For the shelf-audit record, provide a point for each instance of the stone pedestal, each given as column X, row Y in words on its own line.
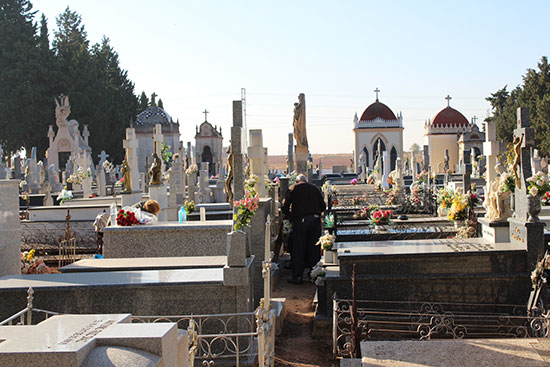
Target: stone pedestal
column 301, row 159
column 160, row 194
column 495, row 232
column 130, row 198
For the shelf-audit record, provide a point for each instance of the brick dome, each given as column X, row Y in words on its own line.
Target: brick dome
column 449, row 117
column 378, row 109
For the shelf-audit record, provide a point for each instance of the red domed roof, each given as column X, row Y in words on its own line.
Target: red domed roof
column 377, row 109
column 449, row 116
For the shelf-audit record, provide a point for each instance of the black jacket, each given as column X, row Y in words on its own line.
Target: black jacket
column 303, row 199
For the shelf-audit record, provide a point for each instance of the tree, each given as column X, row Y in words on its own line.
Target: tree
column 160, row 104
column 19, row 73
column 534, row 94
column 415, row 148
column 143, row 102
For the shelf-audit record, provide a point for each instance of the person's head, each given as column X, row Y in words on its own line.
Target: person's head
column 151, row 206
column 301, row 178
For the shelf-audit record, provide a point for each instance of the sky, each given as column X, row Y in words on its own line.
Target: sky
column 198, row 55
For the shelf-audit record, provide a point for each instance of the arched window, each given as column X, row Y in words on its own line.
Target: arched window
column 393, row 158
column 477, row 152
column 375, row 149
column 366, row 151
column 206, row 156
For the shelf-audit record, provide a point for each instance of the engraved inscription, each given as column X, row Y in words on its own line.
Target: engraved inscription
column 87, row 333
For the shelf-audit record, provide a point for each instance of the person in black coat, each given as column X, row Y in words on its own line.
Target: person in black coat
column 303, row 205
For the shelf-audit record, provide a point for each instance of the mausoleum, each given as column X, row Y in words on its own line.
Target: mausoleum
column 209, row 146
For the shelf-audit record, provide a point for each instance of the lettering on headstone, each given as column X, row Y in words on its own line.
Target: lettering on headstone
column 87, row 333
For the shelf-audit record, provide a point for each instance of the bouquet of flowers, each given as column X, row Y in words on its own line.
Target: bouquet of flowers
column 381, row 217
column 459, row 206
column 546, row 198
column 78, row 176
column 245, row 210
column 31, row 264
column 508, row 183
column 317, row 274
column 64, row 195
column 192, row 169
column 445, row 197
column 250, row 185
column 353, row 181
column 326, row 241
column 189, row 206
column 538, row 184
column 166, row 154
column 126, row 218
column 366, row 212
column 108, row 166
column 327, row 188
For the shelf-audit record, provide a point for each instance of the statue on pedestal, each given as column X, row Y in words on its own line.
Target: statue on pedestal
column 299, row 121
column 498, row 202
column 125, row 169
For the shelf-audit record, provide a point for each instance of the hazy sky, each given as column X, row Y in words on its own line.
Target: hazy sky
column 199, row 54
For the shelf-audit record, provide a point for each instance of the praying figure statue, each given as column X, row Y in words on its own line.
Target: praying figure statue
column 154, row 172
column 497, row 202
column 125, row 169
column 299, row 121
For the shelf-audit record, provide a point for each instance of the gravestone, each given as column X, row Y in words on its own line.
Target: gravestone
column 176, row 182
column 188, row 155
column 256, row 159
column 467, row 172
column 10, row 232
column 92, row 341
column 525, row 229
column 84, row 165
column 3, row 171
column 17, row 167
column 386, row 161
column 102, row 157
column 160, row 194
column 536, row 162
column 192, row 186
column 204, row 189
column 101, row 182
column 53, row 178
column 426, row 152
column 47, row 191
column 131, row 145
column 290, row 156
column 237, row 151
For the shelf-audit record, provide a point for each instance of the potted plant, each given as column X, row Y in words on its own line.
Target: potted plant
column 327, row 242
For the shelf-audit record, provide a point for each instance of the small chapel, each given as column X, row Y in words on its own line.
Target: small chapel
column 144, row 126
column 448, row 136
column 209, row 145
column 378, row 130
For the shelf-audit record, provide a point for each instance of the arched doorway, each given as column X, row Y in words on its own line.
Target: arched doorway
column 393, row 158
column 375, row 153
column 366, row 151
column 206, row 156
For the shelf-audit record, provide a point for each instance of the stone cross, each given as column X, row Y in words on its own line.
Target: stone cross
column 101, row 180
column 131, row 145
column 256, row 157
column 290, row 152
column 525, row 228
column 448, row 98
column 205, row 114
column 377, row 91
column 491, row 150
column 102, row 157
column 237, row 152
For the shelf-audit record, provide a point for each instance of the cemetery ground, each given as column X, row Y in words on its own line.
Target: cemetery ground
column 296, row 347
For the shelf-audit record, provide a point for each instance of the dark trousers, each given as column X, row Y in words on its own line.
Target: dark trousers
column 304, row 236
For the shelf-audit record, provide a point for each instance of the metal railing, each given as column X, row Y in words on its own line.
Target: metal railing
column 25, row 315
column 383, row 320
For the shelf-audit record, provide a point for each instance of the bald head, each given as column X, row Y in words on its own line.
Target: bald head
column 301, row 178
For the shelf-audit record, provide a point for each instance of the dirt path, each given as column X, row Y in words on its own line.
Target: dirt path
column 295, row 347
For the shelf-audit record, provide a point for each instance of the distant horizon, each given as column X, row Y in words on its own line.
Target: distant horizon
column 415, row 53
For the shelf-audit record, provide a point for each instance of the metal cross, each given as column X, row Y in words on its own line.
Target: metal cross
column 474, row 119
column 448, row 98
column 205, row 114
column 377, row 91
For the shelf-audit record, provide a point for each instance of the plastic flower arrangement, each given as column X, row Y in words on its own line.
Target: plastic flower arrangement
column 166, row 154
column 287, row 227
column 191, row 169
column 245, row 210
column 422, row 177
column 329, row 220
column 380, row 217
column 108, row 166
column 353, row 181
column 366, row 212
column 78, row 176
column 326, row 241
column 538, row 184
column 445, row 197
column 250, row 185
column 126, row 218
column 189, row 206
column 459, row 206
column 317, row 274
column 64, row 195
column 31, row 264
column 508, row 183
column 546, row 198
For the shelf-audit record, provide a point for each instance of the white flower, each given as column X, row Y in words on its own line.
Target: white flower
column 533, row 191
column 320, row 281
column 541, row 174
column 540, row 182
column 531, row 179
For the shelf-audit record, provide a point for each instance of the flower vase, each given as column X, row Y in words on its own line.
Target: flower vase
column 331, row 256
column 533, row 208
column 378, row 228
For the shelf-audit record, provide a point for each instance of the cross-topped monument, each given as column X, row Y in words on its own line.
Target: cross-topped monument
column 102, row 157
column 377, row 91
column 448, row 98
column 205, row 114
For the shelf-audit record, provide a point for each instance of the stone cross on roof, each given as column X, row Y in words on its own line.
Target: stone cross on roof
column 205, row 114
column 448, row 98
column 377, row 91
